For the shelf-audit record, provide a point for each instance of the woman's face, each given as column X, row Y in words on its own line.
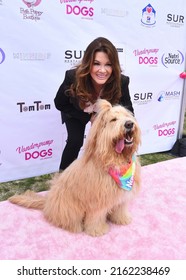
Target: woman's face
column 101, row 69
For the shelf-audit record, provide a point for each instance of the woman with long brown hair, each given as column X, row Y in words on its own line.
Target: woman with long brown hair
column 97, row 76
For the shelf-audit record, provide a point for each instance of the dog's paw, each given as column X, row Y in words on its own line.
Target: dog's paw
column 97, row 231
column 121, row 220
column 126, row 220
column 75, row 229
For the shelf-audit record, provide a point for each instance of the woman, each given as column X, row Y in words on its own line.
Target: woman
column 97, row 76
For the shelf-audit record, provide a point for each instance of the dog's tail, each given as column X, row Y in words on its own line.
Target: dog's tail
column 29, row 199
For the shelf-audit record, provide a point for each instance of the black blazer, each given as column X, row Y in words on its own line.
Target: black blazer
column 69, row 106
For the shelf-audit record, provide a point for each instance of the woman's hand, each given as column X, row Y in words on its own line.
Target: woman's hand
column 89, row 108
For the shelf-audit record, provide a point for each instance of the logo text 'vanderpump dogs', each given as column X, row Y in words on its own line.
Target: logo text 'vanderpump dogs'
column 33, row 150
column 147, row 56
column 81, row 8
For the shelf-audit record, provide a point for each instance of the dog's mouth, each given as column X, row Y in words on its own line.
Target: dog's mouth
column 126, row 141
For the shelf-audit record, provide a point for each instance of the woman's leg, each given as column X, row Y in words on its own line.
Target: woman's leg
column 75, row 138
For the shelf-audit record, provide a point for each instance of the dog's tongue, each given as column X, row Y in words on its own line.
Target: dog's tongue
column 120, row 146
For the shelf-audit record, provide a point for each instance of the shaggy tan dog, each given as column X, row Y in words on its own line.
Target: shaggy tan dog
column 97, row 187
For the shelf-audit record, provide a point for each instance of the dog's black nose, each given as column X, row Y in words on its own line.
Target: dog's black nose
column 129, row 125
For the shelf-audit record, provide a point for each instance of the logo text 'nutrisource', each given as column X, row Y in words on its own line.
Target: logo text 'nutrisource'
column 172, row 58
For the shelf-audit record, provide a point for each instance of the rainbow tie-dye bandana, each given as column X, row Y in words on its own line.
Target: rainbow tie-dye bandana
column 124, row 177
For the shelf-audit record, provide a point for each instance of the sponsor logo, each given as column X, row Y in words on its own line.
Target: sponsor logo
column 36, row 106
column 148, row 16
column 147, row 56
column 73, row 57
column 41, row 150
column 30, row 13
column 175, row 20
column 76, row 10
column 172, row 58
column 31, row 3
column 114, row 12
column 32, row 56
column 142, row 98
column 121, row 54
column 2, row 56
column 82, row 8
column 165, row 129
column 168, row 95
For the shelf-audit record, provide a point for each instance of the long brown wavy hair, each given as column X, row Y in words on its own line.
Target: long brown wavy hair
column 83, row 89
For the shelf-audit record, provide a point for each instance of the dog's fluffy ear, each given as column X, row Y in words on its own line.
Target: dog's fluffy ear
column 102, row 108
column 102, row 105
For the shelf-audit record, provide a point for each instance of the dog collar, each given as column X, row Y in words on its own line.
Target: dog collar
column 124, row 177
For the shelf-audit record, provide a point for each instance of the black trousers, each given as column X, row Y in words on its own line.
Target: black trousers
column 75, row 138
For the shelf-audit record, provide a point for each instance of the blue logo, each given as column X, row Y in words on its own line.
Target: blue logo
column 161, row 96
column 148, row 16
column 172, row 58
column 2, row 56
column 168, row 95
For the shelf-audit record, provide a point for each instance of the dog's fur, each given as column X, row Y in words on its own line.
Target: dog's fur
column 84, row 196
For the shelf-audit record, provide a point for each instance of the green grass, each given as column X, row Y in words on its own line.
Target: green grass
column 37, row 184
column 156, row 157
column 40, row 183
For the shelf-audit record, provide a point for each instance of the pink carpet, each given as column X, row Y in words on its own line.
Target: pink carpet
column 158, row 230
